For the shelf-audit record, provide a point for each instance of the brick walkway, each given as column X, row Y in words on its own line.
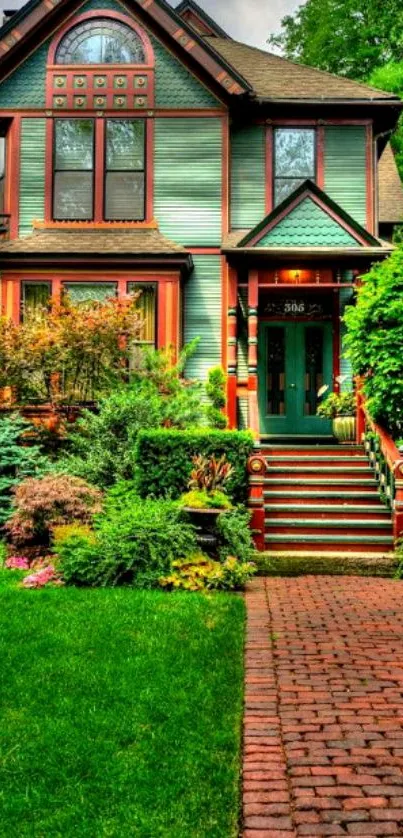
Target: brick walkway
column 324, row 708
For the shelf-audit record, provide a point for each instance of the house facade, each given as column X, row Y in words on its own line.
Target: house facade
column 142, row 149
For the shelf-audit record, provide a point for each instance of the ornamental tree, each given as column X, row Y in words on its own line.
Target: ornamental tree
column 69, row 353
column 375, row 341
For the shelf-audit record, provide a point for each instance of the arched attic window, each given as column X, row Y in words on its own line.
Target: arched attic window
column 101, row 41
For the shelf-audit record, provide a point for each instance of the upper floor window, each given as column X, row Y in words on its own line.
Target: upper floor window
column 99, row 170
column 101, row 41
column 294, row 160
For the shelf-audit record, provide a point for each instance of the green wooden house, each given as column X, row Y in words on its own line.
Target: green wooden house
column 144, row 149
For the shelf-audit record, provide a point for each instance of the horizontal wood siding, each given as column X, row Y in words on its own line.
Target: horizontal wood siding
column 345, row 168
column 187, row 180
column 248, row 191
column 203, row 315
column 32, row 173
column 346, row 372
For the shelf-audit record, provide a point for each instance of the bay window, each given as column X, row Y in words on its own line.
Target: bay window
column 146, row 304
column 35, row 298
column 99, row 169
column 294, row 160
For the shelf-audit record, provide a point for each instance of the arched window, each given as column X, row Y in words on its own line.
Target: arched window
column 101, row 41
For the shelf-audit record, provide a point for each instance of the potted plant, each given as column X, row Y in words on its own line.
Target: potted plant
column 341, row 408
column 207, row 498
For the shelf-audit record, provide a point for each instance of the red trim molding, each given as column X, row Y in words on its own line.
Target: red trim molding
column 269, row 151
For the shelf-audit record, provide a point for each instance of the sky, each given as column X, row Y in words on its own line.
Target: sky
column 250, row 21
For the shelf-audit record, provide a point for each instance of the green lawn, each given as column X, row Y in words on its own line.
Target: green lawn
column 120, row 713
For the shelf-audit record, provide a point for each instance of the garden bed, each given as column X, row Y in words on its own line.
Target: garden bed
column 121, row 712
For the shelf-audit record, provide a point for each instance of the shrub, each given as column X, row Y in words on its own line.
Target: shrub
column 16, row 460
column 210, row 474
column 102, row 445
column 215, row 389
column 235, row 536
column 133, row 544
column 43, row 503
column 198, row 573
column 337, row 404
column 200, row 499
column 164, row 460
column 375, row 340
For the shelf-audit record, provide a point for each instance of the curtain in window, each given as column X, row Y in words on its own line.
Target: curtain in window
column 35, row 298
column 73, row 169
column 146, row 306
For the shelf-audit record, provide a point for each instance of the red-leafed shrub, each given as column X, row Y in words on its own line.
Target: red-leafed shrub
column 41, row 504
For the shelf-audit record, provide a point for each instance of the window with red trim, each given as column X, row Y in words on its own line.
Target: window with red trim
column 99, row 169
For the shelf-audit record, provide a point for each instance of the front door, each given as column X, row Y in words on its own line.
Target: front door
column 295, row 362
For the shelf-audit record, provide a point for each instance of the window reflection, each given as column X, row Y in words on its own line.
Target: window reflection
column 294, row 160
column 101, row 41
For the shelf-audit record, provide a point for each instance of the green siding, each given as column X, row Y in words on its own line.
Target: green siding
column 25, row 88
column 32, row 173
column 243, row 414
column 203, row 315
column 187, row 179
column 346, row 373
column 175, row 86
column 248, row 200
column 242, row 346
column 345, row 169
column 307, row 226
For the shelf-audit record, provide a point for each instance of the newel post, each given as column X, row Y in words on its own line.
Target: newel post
column 398, row 502
column 253, row 301
column 257, row 472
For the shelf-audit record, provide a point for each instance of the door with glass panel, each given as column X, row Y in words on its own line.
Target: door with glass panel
column 295, row 362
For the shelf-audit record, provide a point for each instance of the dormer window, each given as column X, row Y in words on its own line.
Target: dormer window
column 100, row 41
column 294, row 160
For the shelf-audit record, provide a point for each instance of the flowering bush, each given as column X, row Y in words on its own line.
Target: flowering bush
column 43, row 576
column 17, row 563
column 41, row 504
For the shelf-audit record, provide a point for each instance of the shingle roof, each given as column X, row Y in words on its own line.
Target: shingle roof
column 390, row 189
column 273, row 77
column 103, row 242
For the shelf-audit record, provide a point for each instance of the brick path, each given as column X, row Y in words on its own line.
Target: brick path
column 323, row 738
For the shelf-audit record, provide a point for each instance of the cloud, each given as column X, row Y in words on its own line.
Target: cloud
column 251, row 22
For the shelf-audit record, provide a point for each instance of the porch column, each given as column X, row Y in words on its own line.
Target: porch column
column 232, row 348
column 253, row 300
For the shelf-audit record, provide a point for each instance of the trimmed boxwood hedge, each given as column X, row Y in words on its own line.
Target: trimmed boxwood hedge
column 163, row 460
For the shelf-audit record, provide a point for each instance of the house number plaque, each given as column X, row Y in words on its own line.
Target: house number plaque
column 295, row 307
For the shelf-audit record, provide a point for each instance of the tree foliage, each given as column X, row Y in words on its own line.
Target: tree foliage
column 348, row 37
column 375, row 340
column 390, row 77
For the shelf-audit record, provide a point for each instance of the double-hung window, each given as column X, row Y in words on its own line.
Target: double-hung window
column 99, row 170
column 294, row 160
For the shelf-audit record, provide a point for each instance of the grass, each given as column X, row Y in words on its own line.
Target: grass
column 121, row 713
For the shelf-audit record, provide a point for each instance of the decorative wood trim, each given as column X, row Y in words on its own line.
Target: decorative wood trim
column 231, row 331
column 269, row 164
column 99, row 175
column 149, row 172
column 336, row 341
column 224, row 311
column 38, row 224
column 105, row 13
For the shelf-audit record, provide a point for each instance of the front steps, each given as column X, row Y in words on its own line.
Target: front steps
column 323, row 500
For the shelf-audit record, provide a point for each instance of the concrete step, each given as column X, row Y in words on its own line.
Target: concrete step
column 326, row 512
column 320, row 542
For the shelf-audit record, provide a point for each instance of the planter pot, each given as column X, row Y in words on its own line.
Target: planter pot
column 205, row 522
column 344, row 429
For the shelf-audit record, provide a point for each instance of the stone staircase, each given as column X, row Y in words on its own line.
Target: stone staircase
column 323, row 499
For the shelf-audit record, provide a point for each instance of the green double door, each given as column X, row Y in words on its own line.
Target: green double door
column 295, row 362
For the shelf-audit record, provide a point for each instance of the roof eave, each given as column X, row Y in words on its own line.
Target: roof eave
column 284, row 253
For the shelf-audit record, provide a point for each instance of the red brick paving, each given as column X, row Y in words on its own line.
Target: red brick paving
column 323, row 728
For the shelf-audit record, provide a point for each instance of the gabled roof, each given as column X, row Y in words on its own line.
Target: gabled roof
column 390, row 189
column 27, row 26
column 198, row 19
column 308, row 218
column 273, row 77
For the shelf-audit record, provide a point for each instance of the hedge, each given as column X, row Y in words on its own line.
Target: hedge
column 163, row 460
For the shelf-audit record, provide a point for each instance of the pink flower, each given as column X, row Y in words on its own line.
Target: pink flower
column 41, row 578
column 17, row 563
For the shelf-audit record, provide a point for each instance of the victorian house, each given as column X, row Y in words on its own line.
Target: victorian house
column 243, row 195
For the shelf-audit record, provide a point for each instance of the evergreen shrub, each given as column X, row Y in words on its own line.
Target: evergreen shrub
column 164, row 460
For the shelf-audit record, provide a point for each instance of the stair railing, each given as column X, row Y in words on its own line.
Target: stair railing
column 387, row 463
